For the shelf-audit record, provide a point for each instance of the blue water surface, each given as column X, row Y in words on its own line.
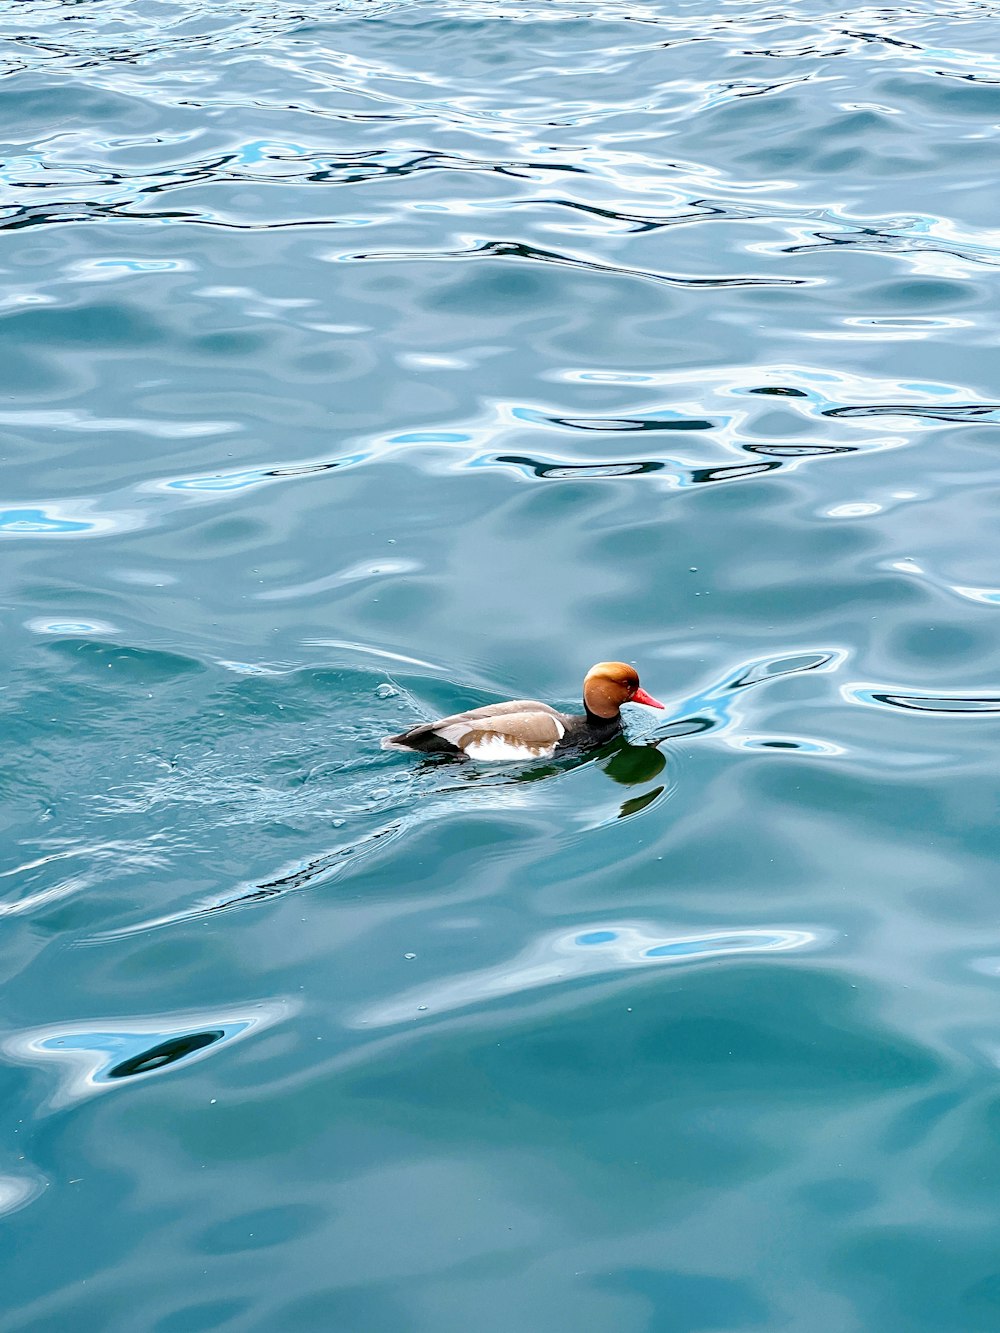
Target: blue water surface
column 367, row 359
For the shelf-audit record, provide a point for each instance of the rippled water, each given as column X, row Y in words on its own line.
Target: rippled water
column 360, row 360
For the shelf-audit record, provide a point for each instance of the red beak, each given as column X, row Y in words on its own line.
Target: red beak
column 641, row 697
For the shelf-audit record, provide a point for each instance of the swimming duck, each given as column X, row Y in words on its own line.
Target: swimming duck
column 524, row 729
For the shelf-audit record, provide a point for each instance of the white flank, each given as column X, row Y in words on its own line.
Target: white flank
column 498, row 748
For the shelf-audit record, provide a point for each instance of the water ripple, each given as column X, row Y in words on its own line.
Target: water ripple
column 521, row 252
column 471, row 343
column 943, row 704
column 564, row 957
column 97, row 1055
column 717, row 707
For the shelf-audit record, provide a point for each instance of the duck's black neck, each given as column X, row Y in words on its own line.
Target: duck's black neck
column 589, row 729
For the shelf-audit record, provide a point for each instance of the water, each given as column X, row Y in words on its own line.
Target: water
column 364, row 360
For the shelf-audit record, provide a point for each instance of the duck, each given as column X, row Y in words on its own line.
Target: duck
column 524, row 729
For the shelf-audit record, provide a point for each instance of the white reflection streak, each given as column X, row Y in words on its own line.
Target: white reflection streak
column 582, row 952
column 985, row 596
column 66, row 419
column 17, row 1191
column 366, row 569
column 969, row 592
column 41, row 897
column 365, row 650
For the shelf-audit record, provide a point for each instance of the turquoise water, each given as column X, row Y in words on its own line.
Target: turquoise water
column 363, row 360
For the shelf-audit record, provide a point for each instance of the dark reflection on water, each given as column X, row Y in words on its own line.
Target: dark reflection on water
column 629, row 764
column 636, row 804
column 798, row 450
column 518, row 251
column 614, row 424
column 759, row 672
column 580, row 471
column 166, row 1053
column 733, row 472
column 988, row 413
column 930, row 703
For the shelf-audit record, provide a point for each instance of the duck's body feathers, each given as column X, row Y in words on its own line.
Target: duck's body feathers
column 520, row 729
column 524, row 729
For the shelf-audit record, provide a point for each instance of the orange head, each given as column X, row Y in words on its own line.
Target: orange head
column 608, row 685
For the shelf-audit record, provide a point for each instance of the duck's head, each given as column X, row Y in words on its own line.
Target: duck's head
column 608, row 685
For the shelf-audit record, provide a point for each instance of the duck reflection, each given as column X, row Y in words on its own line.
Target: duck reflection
column 627, row 764
column 630, row 764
